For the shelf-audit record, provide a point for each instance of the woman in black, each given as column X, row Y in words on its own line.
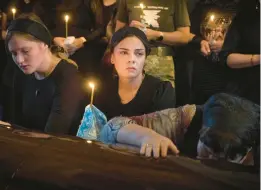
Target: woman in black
column 210, row 21
column 52, row 93
column 242, row 51
column 88, row 23
column 132, row 92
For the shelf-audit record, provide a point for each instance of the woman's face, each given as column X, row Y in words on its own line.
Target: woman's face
column 129, row 57
column 27, row 54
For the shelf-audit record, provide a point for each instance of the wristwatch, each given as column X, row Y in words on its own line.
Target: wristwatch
column 161, row 37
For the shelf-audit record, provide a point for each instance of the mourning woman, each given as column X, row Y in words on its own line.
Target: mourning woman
column 131, row 91
column 226, row 127
column 52, row 93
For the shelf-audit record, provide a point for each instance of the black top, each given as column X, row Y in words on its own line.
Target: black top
column 244, row 37
column 153, row 95
column 79, row 22
column 98, row 27
column 209, row 75
column 54, row 103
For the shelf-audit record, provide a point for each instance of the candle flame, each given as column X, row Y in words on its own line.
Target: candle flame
column 212, row 17
column 66, row 18
column 13, row 10
column 142, row 6
column 91, row 85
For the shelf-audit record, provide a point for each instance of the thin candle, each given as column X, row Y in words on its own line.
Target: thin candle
column 66, row 18
column 92, row 94
column 13, row 11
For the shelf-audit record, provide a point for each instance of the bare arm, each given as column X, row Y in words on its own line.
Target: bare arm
column 149, row 141
column 237, row 60
column 3, row 25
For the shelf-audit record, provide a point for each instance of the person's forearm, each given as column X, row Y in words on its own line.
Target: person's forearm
column 179, row 37
column 237, row 60
column 4, row 21
column 133, row 134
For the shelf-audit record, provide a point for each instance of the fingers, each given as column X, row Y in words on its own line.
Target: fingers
column 156, row 151
column 205, row 49
column 148, row 149
column 143, row 149
column 173, row 148
column 136, row 24
column 164, row 148
column 159, row 149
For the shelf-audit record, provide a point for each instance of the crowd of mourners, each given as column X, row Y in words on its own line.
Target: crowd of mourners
column 168, row 76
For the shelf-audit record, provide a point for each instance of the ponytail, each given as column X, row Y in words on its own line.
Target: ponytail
column 61, row 53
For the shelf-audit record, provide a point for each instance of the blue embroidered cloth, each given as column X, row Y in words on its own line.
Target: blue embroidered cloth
column 92, row 123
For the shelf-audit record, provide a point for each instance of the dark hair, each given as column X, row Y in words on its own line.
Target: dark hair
column 230, row 124
column 97, row 9
column 127, row 31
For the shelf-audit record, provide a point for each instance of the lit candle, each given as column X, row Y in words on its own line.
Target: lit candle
column 142, row 6
column 66, row 18
column 13, row 11
column 92, row 87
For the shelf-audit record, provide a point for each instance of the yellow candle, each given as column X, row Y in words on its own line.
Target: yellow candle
column 13, row 11
column 92, row 94
column 66, row 18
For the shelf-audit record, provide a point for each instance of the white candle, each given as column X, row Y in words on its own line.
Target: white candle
column 92, row 94
column 66, row 18
column 13, row 11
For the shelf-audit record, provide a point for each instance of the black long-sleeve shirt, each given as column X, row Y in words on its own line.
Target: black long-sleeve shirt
column 54, row 104
column 244, row 37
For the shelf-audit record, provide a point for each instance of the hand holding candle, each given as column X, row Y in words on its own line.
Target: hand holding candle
column 92, row 87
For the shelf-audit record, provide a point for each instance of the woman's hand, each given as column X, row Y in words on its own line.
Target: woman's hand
column 59, row 41
column 216, row 45
column 157, row 145
column 151, row 34
column 77, row 44
column 204, row 47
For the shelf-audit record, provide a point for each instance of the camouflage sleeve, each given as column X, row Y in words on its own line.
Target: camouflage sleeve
column 122, row 12
column 181, row 16
column 109, row 132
